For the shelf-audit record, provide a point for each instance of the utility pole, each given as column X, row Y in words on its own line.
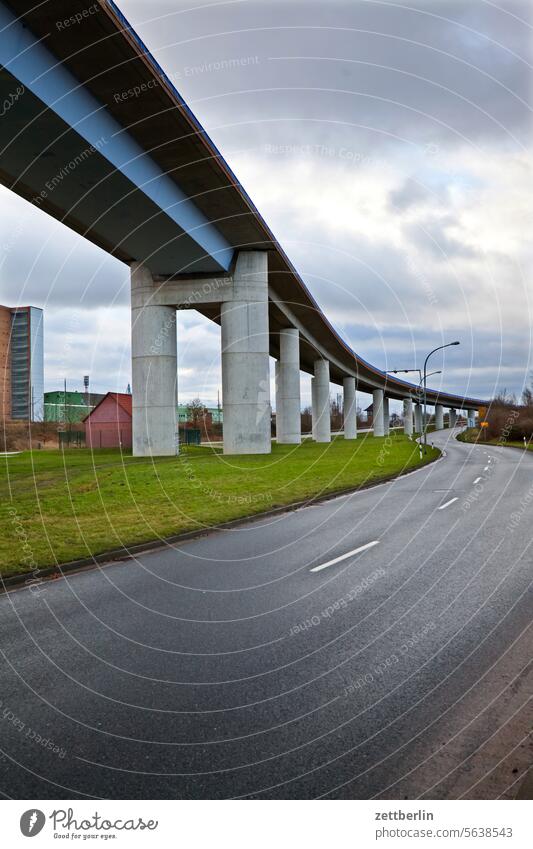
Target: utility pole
column 65, row 415
column 86, row 388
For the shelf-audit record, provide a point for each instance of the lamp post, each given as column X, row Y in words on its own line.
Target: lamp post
column 419, row 371
column 430, row 374
column 424, row 423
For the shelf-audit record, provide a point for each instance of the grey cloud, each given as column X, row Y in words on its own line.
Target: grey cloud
column 409, row 194
column 479, row 367
column 432, row 234
column 410, row 75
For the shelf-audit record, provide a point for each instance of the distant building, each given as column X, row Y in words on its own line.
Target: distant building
column 66, row 407
column 21, row 364
column 108, row 425
column 214, row 413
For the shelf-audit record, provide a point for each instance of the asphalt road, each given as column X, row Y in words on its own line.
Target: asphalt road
column 227, row 667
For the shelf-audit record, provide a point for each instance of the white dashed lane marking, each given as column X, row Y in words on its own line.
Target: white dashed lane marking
column 447, row 504
column 345, row 556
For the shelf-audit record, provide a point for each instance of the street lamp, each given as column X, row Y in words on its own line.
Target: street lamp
column 429, row 374
column 404, row 371
column 418, row 370
column 424, row 423
column 420, row 378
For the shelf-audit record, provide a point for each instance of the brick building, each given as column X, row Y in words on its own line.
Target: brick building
column 109, row 424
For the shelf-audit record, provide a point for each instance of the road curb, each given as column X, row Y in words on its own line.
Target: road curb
column 117, row 555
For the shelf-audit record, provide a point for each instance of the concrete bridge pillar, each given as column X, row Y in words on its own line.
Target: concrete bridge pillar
column 349, row 406
column 245, row 363
column 439, row 417
column 378, row 412
column 323, row 413
column 453, row 418
column 418, row 418
column 154, row 369
column 288, row 412
column 471, row 418
column 408, row 417
column 277, row 382
column 386, row 416
column 313, row 408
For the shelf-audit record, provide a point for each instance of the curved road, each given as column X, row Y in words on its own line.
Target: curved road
column 229, row 668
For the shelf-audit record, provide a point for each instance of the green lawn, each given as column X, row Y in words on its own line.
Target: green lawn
column 474, row 435
column 60, row 506
column 471, row 434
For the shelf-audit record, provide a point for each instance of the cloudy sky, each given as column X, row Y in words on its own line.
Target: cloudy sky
column 389, row 148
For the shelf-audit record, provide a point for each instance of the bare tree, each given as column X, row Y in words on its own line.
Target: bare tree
column 527, row 394
column 195, row 412
column 504, row 399
column 306, row 420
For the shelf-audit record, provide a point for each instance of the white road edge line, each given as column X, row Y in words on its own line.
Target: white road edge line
column 443, row 506
column 486, row 469
column 477, row 480
column 345, row 556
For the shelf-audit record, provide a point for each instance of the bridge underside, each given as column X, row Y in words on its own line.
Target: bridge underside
column 62, row 150
column 55, row 168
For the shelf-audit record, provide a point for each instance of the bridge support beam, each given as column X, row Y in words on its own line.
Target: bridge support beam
column 439, row 417
column 323, row 413
column 288, row 412
column 408, row 417
column 471, row 418
column 386, row 416
column 418, row 418
column 453, row 418
column 245, row 364
column 154, row 370
column 350, row 408
column 378, row 412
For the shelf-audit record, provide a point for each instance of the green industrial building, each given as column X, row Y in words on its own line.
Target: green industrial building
column 69, row 407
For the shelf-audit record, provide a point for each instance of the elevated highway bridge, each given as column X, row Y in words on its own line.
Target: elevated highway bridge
column 94, row 133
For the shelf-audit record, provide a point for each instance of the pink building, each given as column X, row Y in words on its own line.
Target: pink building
column 109, row 424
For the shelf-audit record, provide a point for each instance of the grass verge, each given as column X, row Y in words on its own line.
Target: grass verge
column 63, row 506
column 475, row 435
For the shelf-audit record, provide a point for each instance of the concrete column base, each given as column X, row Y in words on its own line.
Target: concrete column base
column 418, row 418
column 386, row 416
column 378, row 413
column 350, row 408
column 439, row 417
column 154, row 370
column 323, row 419
column 408, row 417
column 288, row 407
column 314, row 413
column 245, row 363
